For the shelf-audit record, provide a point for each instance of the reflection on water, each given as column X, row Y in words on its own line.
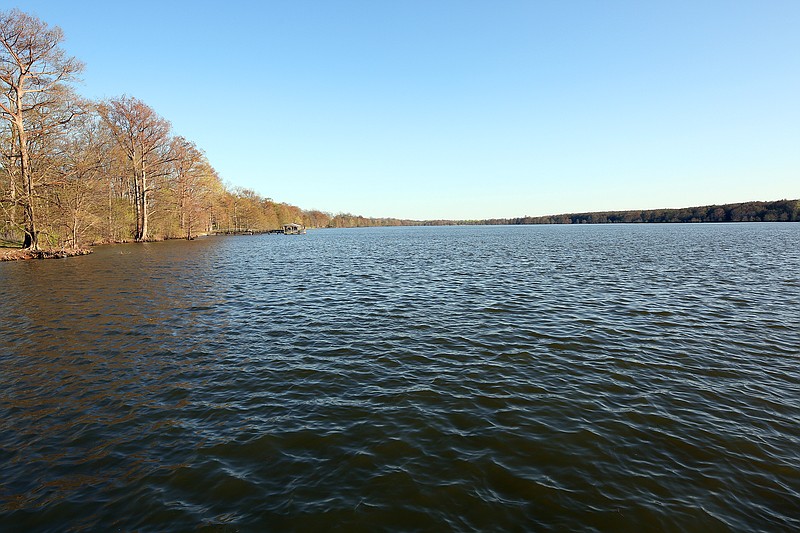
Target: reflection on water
column 606, row 377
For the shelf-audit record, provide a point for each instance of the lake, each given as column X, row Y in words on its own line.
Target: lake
column 551, row 378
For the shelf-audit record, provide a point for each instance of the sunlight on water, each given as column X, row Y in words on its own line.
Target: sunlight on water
column 550, row 378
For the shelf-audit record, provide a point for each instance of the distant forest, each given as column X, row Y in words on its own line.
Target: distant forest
column 779, row 211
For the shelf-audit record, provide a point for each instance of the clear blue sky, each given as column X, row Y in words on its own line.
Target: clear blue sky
column 463, row 109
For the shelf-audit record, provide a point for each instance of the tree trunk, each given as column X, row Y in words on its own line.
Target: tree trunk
column 143, row 236
column 182, row 209
column 144, row 215
column 75, row 219
column 31, row 241
column 137, row 205
column 110, row 234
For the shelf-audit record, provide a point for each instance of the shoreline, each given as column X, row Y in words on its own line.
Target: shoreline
column 14, row 253
column 18, row 254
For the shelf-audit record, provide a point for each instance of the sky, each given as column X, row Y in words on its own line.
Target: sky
column 463, row 109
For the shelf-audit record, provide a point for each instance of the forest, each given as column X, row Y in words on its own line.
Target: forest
column 778, row 211
column 77, row 172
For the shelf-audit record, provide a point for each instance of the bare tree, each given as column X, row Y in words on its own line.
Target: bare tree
column 78, row 192
column 193, row 184
column 144, row 137
column 33, row 69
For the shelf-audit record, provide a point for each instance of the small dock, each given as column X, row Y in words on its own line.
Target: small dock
column 238, row 232
column 286, row 229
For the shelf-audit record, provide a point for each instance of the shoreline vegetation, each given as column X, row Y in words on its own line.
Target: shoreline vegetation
column 76, row 172
column 778, row 211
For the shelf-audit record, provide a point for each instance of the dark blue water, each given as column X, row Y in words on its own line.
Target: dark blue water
column 607, row 378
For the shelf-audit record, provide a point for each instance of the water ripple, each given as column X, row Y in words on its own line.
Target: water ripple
column 549, row 378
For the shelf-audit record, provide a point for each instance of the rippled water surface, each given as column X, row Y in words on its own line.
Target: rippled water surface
column 611, row 378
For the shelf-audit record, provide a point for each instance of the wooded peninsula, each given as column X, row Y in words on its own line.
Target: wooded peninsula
column 76, row 172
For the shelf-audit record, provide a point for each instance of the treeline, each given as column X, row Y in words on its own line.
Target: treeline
column 778, row 211
column 74, row 171
column 347, row 220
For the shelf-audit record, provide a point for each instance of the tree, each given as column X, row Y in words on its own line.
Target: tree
column 193, row 182
column 144, row 137
column 78, row 192
column 33, row 70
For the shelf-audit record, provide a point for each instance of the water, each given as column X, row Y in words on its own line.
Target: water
column 610, row 378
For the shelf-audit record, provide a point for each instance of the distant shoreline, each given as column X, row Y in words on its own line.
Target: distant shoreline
column 776, row 211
